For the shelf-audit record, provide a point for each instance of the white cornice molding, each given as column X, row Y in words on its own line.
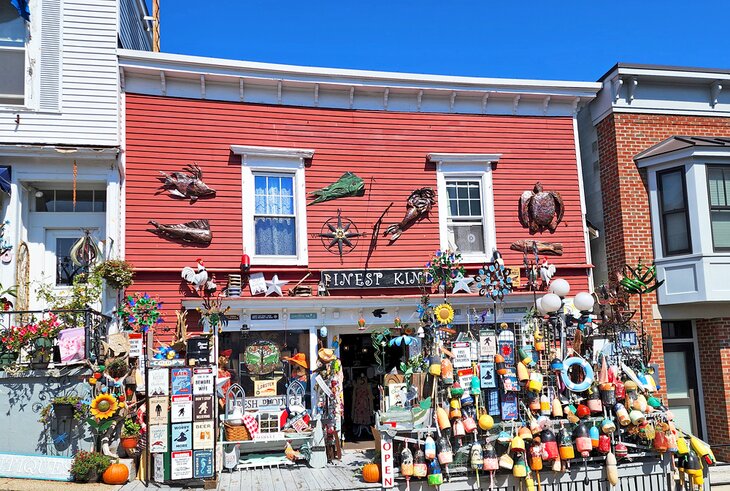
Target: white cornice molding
column 276, row 152
column 464, row 157
column 58, row 151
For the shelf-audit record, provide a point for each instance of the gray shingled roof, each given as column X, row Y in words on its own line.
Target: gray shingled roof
column 675, row 143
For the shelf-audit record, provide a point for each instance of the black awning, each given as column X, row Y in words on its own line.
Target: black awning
column 5, row 179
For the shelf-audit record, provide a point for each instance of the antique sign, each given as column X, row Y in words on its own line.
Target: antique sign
column 203, row 382
column 202, row 408
column 181, row 409
column 386, row 463
column 182, row 438
column 203, row 434
column 372, row 278
column 181, row 465
column 181, row 381
column 254, row 403
column 264, row 388
column 487, row 376
column 203, row 464
column 487, row 344
column 158, row 438
column 159, row 382
column 36, row 467
column 158, row 410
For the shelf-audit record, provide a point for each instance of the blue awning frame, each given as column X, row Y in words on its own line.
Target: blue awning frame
column 5, row 175
column 23, row 8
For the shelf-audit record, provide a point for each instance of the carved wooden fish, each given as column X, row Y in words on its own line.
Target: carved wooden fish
column 187, row 184
column 194, row 232
column 547, row 248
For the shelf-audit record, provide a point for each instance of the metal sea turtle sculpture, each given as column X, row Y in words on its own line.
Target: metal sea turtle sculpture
column 541, row 210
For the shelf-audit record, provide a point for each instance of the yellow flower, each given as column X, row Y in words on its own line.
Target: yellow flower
column 444, row 314
column 104, row 406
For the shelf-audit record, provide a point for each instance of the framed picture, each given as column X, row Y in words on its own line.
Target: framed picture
column 397, row 395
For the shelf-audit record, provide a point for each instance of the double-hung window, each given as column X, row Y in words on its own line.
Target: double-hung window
column 466, row 204
column 465, row 216
column 673, row 211
column 12, row 55
column 718, row 187
column 274, row 204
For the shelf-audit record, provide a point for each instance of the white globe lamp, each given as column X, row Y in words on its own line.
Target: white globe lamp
column 584, row 301
column 538, row 306
column 559, row 287
column 551, row 303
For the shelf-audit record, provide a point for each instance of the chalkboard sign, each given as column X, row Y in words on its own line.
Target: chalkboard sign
column 373, row 278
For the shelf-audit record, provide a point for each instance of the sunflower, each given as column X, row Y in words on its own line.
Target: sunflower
column 104, row 406
column 444, row 314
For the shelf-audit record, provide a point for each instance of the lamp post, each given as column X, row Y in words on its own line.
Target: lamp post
column 553, row 305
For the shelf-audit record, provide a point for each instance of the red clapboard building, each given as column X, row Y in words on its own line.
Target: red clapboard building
column 266, row 136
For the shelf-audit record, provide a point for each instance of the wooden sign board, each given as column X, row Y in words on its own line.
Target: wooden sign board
column 159, row 382
column 372, row 278
column 386, row 463
column 462, row 354
column 158, row 409
column 264, row 388
column 181, row 381
column 182, row 437
column 203, row 464
column 54, row 468
column 203, row 381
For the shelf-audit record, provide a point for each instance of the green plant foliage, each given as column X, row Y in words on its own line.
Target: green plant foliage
column 87, row 465
column 81, row 410
column 379, row 339
column 130, row 428
column 118, row 274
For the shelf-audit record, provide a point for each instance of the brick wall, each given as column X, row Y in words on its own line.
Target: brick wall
column 629, row 238
column 713, row 336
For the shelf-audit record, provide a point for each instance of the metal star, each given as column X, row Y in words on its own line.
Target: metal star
column 274, row 286
column 340, row 234
column 462, row 283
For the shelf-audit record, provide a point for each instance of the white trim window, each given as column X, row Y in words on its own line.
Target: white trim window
column 13, row 35
column 274, row 204
column 466, row 204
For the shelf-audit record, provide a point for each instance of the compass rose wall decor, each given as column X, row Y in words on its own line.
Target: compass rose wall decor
column 340, row 235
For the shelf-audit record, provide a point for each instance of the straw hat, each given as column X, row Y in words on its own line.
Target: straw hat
column 299, row 359
column 326, row 355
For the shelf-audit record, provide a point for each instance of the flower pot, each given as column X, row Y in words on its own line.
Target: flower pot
column 7, row 358
column 129, row 442
column 63, row 411
column 91, row 476
column 41, row 353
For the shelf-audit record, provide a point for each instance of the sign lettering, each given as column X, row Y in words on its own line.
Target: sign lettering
column 381, row 278
column 303, row 316
column 386, row 463
column 35, row 467
column 264, row 317
column 254, row 403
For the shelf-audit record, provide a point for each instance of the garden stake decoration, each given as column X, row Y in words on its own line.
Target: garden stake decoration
column 444, row 270
column 349, row 184
column 140, row 312
column 640, row 281
column 187, row 184
column 340, row 232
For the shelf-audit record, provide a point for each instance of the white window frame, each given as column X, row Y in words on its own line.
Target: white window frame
column 282, row 161
column 467, row 166
column 31, row 83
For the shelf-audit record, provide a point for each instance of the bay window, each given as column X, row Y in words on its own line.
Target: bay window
column 673, row 212
column 718, row 189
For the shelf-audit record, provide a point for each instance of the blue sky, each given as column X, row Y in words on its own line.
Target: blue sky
column 558, row 39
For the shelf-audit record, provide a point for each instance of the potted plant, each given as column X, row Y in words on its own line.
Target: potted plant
column 42, row 335
column 117, row 368
column 130, row 434
column 64, row 407
column 118, row 274
column 88, row 466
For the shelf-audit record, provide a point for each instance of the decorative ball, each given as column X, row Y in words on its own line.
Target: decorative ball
column 584, row 301
column 551, row 303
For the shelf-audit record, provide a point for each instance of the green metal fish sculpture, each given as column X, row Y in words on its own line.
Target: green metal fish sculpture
column 349, row 184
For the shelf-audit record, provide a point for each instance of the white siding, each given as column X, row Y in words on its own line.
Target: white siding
column 85, row 109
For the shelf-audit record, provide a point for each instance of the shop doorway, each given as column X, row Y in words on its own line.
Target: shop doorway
column 362, row 377
column 681, row 374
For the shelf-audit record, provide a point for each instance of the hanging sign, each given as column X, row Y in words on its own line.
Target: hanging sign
column 373, row 278
column 264, row 317
column 181, row 409
column 465, row 375
column 202, row 408
column 263, row 388
column 159, row 382
column 182, row 437
column 158, row 409
column 181, row 465
column 203, row 434
column 203, row 381
column 386, row 463
column 203, row 464
column 135, row 345
column 509, row 407
column 165, row 363
column 462, row 354
column 181, row 381
column 296, row 316
column 487, row 344
column 487, row 376
column 158, row 438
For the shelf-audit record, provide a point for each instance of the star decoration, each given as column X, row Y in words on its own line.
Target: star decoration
column 274, row 286
column 461, row 283
column 340, row 234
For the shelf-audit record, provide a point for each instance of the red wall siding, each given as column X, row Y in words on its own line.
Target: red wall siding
column 388, row 150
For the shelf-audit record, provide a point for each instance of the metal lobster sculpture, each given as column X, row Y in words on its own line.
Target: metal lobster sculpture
column 419, row 203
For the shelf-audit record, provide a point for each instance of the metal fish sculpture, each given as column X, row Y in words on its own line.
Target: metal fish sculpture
column 419, row 203
column 349, row 184
column 547, row 248
column 193, row 232
column 187, row 184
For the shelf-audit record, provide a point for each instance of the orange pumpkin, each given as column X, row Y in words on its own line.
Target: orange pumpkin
column 116, row 474
column 371, row 473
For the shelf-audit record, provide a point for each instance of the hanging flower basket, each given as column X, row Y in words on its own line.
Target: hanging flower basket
column 63, row 410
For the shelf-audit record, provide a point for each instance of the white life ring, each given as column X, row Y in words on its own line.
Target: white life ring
column 587, row 371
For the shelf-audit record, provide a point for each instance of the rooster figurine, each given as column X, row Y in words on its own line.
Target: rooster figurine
column 199, row 278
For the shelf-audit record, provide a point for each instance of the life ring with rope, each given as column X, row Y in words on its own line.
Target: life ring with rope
column 588, row 375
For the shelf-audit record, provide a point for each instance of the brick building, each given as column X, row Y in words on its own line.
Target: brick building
column 655, row 145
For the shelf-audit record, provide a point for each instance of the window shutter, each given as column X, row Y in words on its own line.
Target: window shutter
column 50, row 71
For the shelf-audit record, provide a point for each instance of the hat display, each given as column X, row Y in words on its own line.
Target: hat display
column 326, row 355
column 299, row 359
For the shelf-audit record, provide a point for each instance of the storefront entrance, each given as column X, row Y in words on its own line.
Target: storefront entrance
column 362, row 377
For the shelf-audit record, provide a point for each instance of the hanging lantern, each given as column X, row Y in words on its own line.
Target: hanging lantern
column 245, row 264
